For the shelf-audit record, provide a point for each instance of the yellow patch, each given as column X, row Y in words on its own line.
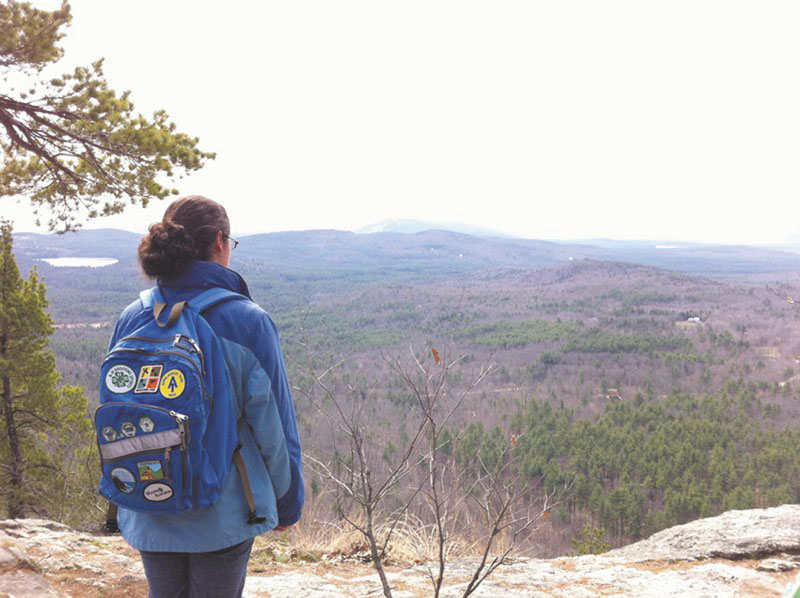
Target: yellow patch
column 172, row 384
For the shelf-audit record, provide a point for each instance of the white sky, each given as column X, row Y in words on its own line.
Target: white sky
column 562, row 119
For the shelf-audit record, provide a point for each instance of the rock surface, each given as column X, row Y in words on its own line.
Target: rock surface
column 732, row 535
column 744, row 554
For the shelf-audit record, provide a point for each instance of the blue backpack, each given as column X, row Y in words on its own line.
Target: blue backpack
column 166, row 423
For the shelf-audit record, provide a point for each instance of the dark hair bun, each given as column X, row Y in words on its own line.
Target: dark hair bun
column 166, row 250
column 187, row 232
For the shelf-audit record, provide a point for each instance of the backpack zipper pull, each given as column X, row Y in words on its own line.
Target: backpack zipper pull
column 167, row 459
column 180, row 419
column 193, row 346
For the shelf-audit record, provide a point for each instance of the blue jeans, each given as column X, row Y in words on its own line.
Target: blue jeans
column 218, row 574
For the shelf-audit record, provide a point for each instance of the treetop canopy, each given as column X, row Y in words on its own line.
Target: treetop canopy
column 71, row 145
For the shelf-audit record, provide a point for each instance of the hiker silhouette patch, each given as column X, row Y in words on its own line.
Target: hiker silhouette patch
column 172, row 384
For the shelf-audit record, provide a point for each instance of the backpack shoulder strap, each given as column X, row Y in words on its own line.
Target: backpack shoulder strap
column 212, row 297
column 152, row 299
column 200, row 303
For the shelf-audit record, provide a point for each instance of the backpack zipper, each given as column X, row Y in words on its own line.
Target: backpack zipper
column 176, row 342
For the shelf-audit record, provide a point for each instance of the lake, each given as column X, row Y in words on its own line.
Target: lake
column 79, row 262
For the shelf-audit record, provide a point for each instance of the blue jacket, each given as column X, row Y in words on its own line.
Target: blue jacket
column 270, row 445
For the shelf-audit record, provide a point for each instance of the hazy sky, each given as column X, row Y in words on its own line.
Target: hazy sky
column 562, row 119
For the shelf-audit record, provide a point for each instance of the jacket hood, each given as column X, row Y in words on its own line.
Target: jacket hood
column 202, row 275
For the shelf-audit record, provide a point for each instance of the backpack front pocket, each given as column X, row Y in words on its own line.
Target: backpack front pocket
column 144, row 457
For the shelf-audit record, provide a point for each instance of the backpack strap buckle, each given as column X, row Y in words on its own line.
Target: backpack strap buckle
column 253, row 519
column 111, row 526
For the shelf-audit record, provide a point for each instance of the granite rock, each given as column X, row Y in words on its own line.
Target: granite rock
column 747, row 554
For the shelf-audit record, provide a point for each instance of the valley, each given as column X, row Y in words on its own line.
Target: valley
column 656, row 385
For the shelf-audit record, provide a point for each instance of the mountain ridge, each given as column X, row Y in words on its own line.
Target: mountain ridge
column 441, row 252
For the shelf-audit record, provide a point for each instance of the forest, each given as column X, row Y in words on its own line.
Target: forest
column 650, row 396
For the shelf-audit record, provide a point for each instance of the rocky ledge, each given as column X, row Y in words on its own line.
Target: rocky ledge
column 746, row 554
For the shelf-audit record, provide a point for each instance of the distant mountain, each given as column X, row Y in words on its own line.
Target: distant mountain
column 433, row 254
column 410, row 227
column 704, row 259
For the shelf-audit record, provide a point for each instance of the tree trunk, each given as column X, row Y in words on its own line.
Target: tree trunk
column 375, row 555
column 15, row 506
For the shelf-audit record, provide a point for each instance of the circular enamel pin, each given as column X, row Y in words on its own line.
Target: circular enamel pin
column 109, row 433
column 172, row 384
column 120, row 379
column 146, row 424
column 123, row 480
column 128, row 429
column 157, row 492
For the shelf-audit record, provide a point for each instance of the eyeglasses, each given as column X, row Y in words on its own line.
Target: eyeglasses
column 234, row 242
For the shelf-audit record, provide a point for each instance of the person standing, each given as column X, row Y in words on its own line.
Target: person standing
column 204, row 552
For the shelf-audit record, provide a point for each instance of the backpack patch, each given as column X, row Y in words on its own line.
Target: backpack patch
column 172, row 384
column 149, row 376
column 120, row 379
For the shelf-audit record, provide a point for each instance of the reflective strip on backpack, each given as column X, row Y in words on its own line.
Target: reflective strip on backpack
column 139, row 444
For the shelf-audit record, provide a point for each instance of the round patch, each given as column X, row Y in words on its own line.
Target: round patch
column 109, row 433
column 128, row 429
column 172, row 384
column 120, row 379
column 157, row 492
column 123, row 480
column 146, row 424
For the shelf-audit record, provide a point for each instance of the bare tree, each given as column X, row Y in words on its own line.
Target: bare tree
column 454, row 492
column 353, row 474
column 446, row 497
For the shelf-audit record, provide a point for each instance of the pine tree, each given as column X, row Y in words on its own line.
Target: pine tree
column 66, row 142
column 44, row 427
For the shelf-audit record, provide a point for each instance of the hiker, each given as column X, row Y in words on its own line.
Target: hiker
column 203, row 552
